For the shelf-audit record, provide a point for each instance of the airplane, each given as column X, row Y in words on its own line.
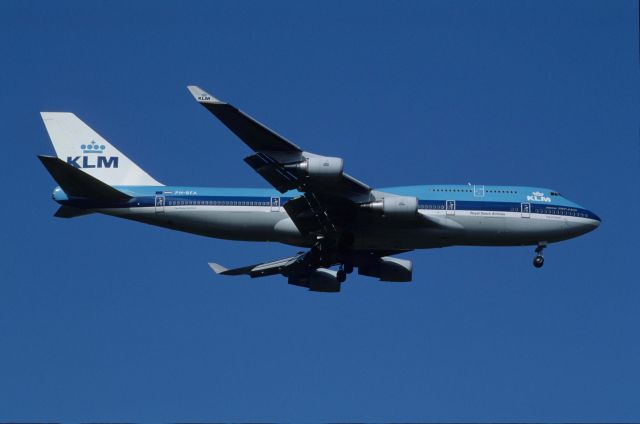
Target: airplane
column 313, row 204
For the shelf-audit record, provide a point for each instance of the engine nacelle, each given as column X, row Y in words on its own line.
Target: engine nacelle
column 324, row 280
column 395, row 206
column 320, row 280
column 389, row 269
column 323, row 167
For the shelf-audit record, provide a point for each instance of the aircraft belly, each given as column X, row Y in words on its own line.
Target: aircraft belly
column 246, row 225
column 237, row 225
column 531, row 230
column 265, row 225
column 465, row 230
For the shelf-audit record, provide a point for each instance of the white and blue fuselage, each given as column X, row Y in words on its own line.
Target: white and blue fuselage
column 465, row 214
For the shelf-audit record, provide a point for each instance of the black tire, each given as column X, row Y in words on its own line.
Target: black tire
column 538, row 261
column 341, row 276
column 348, row 268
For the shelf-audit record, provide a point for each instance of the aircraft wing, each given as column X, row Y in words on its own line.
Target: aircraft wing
column 258, row 270
column 311, row 269
column 279, row 161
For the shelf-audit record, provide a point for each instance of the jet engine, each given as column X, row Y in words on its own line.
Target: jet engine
column 323, row 167
column 319, row 280
column 395, row 206
column 388, row 269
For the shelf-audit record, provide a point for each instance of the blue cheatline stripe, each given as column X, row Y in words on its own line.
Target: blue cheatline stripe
column 461, row 205
column 465, row 205
column 170, row 200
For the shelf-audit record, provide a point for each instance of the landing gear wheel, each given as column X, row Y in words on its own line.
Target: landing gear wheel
column 341, row 275
column 538, row 261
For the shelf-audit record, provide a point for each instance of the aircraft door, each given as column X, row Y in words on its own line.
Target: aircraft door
column 159, row 204
column 451, row 207
column 478, row 191
column 275, row 204
column 525, row 209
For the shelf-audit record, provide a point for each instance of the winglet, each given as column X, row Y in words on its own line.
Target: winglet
column 217, row 268
column 202, row 96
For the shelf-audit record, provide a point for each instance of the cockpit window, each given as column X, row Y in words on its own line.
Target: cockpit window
column 555, row 193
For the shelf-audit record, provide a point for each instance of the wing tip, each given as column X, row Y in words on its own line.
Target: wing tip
column 217, row 268
column 53, row 115
column 202, row 96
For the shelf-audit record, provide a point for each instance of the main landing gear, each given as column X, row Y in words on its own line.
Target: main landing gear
column 322, row 254
column 538, row 260
column 343, row 271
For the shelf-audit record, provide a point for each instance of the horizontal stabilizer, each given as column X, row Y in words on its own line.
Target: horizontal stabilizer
column 70, row 212
column 77, row 183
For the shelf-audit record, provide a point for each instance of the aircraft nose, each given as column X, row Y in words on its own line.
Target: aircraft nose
column 596, row 219
column 588, row 223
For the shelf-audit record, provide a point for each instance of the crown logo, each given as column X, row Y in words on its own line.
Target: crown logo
column 92, row 147
column 537, row 193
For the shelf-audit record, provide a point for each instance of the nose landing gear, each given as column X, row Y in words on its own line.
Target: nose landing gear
column 538, row 260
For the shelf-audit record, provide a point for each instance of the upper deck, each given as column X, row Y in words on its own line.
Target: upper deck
column 484, row 193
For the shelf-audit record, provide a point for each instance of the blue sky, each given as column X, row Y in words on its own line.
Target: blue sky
column 102, row 319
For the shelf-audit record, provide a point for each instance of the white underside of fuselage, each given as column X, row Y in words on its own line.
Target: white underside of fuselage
column 431, row 228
